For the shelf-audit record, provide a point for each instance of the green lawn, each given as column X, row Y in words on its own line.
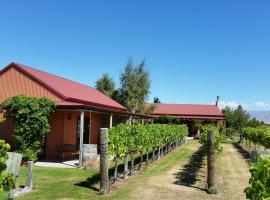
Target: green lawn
column 55, row 183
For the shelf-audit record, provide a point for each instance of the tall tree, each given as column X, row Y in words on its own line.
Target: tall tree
column 105, row 85
column 147, row 109
column 156, row 100
column 241, row 118
column 134, row 86
column 229, row 116
column 236, row 119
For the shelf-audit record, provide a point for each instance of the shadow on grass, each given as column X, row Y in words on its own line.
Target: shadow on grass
column 90, row 182
column 93, row 181
column 243, row 152
column 188, row 176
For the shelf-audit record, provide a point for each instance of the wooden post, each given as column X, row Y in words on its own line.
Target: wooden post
column 111, row 121
column 211, row 162
column 90, row 127
column 104, row 174
column 130, row 120
column 126, row 165
column 81, row 139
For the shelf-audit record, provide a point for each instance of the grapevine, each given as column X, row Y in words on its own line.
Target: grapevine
column 141, row 139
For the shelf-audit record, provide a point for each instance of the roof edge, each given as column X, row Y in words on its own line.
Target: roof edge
column 63, row 97
column 191, row 115
column 188, row 104
column 18, row 67
column 88, row 103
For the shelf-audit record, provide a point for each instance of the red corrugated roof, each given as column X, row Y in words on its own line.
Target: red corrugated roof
column 71, row 92
column 189, row 111
column 201, row 117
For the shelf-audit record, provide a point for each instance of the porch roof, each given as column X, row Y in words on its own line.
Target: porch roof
column 64, row 105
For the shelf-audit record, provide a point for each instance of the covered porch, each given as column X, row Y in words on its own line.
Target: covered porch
column 74, row 128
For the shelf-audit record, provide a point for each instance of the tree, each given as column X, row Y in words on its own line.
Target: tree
column 236, row 119
column 105, row 85
column 135, row 86
column 156, row 100
column 241, row 118
column 229, row 116
column 254, row 123
column 148, row 109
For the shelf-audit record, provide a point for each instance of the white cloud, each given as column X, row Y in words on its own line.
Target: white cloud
column 244, row 105
column 261, row 104
column 232, row 104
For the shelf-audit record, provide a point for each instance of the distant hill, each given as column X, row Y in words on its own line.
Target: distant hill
column 261, row 116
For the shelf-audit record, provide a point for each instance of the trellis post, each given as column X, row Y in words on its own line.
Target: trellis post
column 81, row 138
column 104, row 174
column 211, row 162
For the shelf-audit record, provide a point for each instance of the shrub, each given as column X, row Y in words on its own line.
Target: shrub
column 164, row 119
column 31, row 154
column 31, row 117
column 218, row 136
column 7, row 180
column 4, row 148
column 258, row 135
column 133, row 139
column 259, row 188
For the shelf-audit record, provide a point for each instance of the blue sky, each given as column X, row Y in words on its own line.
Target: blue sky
column 195, row 50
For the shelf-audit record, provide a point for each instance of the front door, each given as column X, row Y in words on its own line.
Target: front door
column 85, row 131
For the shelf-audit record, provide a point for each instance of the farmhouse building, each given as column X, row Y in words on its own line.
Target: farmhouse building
column 78, row 106
column 190, row 114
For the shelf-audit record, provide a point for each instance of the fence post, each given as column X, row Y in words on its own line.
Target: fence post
column 104, row 174
column 29, row 181
column 211, row 162
column 126, row 165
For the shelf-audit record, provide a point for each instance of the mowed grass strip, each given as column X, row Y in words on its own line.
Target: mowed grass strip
column 56, row 183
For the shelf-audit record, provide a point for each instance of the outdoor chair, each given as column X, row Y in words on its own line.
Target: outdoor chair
column 67, row 151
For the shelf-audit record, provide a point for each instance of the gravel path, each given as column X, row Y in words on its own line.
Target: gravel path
column 187, row 180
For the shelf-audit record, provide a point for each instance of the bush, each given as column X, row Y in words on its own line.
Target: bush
column 259, row 188
column 31, row 117
column 7, row 180
column 218, row 136
column 134, row 139
column 164, row 119
column 31, row 154
column 258, row 135
column 137, row 138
